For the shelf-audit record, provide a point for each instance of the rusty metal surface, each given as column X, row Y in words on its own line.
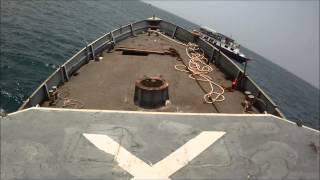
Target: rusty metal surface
column 109, row 83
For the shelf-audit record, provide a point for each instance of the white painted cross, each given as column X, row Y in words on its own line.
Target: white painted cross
column 164, row 168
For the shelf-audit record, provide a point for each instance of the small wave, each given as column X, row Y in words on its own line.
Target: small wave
column 5, row 93
column 52, row 66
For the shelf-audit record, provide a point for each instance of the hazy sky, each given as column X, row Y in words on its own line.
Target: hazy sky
column 285, row 32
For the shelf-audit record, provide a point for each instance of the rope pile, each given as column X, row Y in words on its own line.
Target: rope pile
column 198, row 70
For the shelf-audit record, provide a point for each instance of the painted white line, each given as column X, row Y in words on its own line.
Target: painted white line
column 125, row 159
column 145, row 112
column 164, row 168
column 157, row 113
column 186, row 153
column 20, row 111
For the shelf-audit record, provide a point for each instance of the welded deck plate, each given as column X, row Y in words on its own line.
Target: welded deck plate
column 42, row 143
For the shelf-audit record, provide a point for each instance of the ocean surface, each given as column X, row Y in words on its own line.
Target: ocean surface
column 38, row 36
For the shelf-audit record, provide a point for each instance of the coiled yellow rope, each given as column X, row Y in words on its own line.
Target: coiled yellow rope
column 198, row 70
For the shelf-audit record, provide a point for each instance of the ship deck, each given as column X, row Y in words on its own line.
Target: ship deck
column 52, row 143
column 109, row 83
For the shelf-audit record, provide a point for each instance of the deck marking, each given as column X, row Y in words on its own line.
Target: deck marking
column 164, row 168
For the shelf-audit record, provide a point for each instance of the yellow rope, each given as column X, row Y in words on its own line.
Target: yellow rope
column 199, row 70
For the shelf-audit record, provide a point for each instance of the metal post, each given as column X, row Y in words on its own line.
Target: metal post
column 212, row 56
column 65, row 72
column 46, row 89
column 131, row 28
column 174, row 32
column 92, row 52
column 62, row 75
column 245, row 68
column 243, row 76
column 112, row 38
column 87, row 54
